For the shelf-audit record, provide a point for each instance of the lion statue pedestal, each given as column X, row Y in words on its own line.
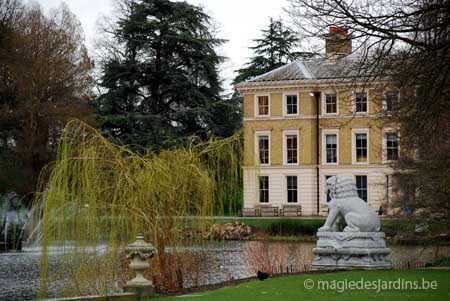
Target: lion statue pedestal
column 350, row 237
column 345, row 250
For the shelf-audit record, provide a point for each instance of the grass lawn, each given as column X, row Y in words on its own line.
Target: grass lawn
column 280, row 226
column 292, row 288
column 306, row 226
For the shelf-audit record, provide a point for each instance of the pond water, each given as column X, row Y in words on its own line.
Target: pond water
column 19, row 272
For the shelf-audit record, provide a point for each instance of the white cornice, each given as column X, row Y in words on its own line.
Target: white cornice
column 306, row 117
column 305, row 85
column 382, row 166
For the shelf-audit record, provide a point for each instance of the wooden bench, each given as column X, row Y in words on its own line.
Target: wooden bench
column 249, row 212
column 291, row 210
column 269, row 211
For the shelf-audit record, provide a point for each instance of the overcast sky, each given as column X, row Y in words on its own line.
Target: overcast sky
column 239, row 22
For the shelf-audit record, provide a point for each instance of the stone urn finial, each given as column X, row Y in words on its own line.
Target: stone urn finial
column 140, row 252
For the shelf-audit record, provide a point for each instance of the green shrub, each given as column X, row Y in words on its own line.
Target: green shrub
column 294, row 226
column 281, row 226
column 443, row 261
column 396, row 226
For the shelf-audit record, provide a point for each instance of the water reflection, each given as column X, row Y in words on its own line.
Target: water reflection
column 19, row 272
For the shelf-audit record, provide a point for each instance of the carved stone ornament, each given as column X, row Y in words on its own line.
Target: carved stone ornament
column 140, row 252
column 140, row 248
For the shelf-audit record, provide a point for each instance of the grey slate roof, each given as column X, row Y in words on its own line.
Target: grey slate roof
column 312, row 69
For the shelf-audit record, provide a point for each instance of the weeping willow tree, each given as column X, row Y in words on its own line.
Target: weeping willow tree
column 100, row 195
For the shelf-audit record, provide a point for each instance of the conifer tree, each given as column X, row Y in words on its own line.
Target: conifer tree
column 275, row 48
column 162, row 83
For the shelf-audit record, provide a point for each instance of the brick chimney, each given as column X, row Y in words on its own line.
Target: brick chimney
column 337, row 42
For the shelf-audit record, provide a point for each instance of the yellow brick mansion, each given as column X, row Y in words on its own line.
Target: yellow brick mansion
column 312, row 119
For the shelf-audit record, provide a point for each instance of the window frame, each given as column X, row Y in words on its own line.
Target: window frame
column 354, row 133
column 285, row 154
column 324, row 103
column 287, row 189
column 260, row 189
column 354, row 102
column 367, row 185
column 384, row 144
column 256, row 145
column 324, row 145
column 385, row 98
column 256, row 105
column 285, row 110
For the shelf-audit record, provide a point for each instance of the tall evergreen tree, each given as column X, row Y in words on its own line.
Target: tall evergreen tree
column 162, row 83
column 274, row 49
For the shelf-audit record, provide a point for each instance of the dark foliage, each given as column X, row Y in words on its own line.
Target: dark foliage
column 44, row 81
column 161, row 77
column 275, row 48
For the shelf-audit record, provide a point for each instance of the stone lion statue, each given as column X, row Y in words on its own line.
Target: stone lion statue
column 347, row 209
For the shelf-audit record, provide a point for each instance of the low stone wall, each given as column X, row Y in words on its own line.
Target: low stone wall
column 117, row 297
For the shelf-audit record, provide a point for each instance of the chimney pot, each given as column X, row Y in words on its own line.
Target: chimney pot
column 336, row 29
column 337, row 42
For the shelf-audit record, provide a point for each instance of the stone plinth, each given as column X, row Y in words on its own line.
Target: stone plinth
column 350, row 250
column 140, row 252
